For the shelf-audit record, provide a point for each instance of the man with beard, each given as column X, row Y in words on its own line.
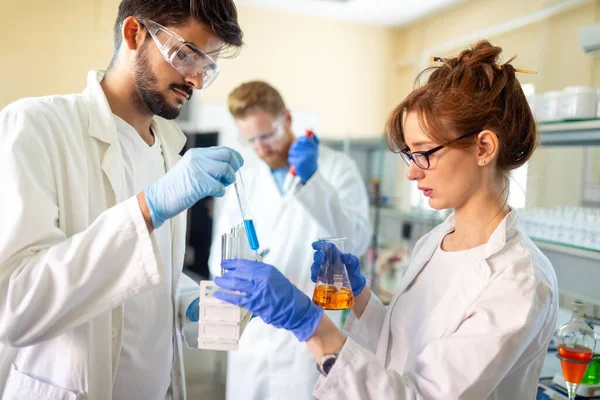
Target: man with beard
column 92, row 231
column 329, row 199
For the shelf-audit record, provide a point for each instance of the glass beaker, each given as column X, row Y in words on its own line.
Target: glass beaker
column 576, row 344
column 333, row 290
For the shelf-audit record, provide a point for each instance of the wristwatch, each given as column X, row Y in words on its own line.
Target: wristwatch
column 327, row 363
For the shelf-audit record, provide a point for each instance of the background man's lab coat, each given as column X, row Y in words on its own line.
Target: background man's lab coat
column 74, row 247
column 485, row 337
column 271, row 364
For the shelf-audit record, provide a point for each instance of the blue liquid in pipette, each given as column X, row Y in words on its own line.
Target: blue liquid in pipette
column 251, row 233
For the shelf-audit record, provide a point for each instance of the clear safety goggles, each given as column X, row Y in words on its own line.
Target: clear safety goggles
column 268, row 138
column 187, row 59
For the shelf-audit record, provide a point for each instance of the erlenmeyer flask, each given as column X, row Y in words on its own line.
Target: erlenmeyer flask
column 333, row 290
column 576, row 343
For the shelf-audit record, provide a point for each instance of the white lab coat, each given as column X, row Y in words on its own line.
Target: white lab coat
column 73, row 248
column 271, row 363
column 485, row 339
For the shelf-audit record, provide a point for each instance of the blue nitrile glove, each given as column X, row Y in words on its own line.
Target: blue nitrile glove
column 270, row 295
column 357, row 279
column 303, row 155
column 193, row 310
column 200, row 173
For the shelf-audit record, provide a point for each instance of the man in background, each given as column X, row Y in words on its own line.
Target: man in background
column 328, row 199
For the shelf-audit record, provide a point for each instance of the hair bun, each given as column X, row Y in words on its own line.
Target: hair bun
column 481, row 53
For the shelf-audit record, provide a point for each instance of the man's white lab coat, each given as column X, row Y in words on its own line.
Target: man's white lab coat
column 271, row 363
column 74, row 247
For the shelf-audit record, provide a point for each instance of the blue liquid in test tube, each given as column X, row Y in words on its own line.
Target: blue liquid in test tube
column 251, row 233
column 240, row 191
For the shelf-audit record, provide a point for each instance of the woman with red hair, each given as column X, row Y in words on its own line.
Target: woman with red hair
column 473, row 316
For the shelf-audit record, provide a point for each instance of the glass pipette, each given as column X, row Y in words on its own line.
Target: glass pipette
column 240, row 191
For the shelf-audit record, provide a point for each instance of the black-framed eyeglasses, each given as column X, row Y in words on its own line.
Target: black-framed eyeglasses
column 421, row 158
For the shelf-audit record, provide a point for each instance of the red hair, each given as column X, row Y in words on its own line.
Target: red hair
column 468, row 93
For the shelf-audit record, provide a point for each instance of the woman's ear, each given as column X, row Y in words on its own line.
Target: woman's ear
column 487, row 147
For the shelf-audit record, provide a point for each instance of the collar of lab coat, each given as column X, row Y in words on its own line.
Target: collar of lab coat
column 506, row 230
column 423, row 252
column 102, row 126
column 101, row 121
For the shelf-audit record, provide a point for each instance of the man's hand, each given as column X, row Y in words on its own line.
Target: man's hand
column 200, row 173
column 304, row 155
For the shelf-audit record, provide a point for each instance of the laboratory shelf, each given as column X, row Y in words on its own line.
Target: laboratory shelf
column 560, row 133
column 543, row 244
column 366, row 143
column 408, row 216
column 575, row 133
column 568, row 249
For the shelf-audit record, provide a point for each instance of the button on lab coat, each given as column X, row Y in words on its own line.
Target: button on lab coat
column 271, row 363
column 486, row 338
column 73, row 248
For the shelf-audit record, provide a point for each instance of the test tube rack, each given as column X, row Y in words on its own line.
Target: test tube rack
column 221, row 324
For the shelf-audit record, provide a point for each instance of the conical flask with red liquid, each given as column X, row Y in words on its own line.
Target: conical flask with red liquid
column 576, row 344
column 333, row 290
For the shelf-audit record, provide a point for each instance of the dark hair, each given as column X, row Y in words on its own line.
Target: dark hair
column 220, row 15
column 468, row 93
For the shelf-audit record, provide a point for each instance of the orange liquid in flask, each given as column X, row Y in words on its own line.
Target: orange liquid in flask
column 331, row 298
column 573, row 371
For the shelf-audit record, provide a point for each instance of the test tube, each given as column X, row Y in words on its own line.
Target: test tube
column 240, row 191
column 225, row 249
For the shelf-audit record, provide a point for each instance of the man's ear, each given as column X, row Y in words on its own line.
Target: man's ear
column 133, row 33
column 287, row 117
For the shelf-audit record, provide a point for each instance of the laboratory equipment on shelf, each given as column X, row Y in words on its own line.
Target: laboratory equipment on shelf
column 221, row 324
column 250, row 229
column 575, row 226
column 576, row 342
column 333, row 290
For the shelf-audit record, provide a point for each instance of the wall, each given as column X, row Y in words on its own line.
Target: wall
column 47, row 47
column 550, row 47
column 350, row 74
column 337, row 69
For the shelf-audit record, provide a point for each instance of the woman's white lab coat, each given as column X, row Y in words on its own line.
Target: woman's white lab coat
column 270, row 363
column 486, row 338
column 73, row 248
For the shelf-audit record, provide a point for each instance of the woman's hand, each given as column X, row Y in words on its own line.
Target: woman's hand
column 263, row 290
column 328, row 251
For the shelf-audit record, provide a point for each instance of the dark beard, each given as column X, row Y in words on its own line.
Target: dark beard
column 146, row 97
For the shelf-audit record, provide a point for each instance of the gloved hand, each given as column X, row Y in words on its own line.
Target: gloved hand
column 193, row 311
column 357, row 279
column 270, row 295
column 200, row 173
column 303, row 155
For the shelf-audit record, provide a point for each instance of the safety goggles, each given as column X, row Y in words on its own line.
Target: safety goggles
column 268, row 138
column 186, row 58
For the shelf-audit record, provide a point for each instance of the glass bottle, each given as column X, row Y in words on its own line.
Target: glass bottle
column 576, row 344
